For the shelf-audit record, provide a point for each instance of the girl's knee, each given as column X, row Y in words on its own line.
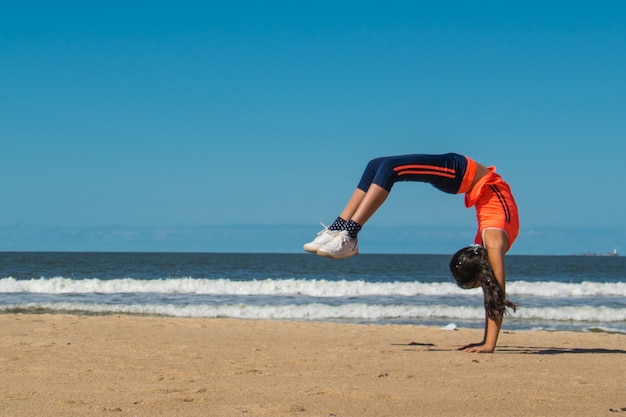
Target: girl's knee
column 374, row 164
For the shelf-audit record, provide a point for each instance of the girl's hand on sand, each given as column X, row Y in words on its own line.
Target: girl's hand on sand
column 477, row 348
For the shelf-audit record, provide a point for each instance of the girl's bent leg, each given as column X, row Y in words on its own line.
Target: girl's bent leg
column 370, row 171
column 371, row 201
column 368, row 196
column 353, row 204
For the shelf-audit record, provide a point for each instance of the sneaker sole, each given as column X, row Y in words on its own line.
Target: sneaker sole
column 338, row 256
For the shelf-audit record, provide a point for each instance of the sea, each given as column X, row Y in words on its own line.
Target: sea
column 556, row 293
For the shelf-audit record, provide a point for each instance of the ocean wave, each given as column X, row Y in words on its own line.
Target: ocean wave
column 318, row 311
column 290, row 287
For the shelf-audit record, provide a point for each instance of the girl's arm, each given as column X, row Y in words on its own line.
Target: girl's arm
column 496, row 242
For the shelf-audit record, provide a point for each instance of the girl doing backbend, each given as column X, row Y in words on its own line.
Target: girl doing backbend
column 496, row 213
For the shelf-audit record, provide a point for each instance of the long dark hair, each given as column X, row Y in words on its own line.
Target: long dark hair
column 470, row 266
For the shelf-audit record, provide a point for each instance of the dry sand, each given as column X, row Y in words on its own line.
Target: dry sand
column 63, row 365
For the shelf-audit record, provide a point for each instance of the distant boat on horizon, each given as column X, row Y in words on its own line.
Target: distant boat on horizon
column 614, row 253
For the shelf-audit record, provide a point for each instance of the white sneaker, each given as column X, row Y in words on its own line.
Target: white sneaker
column 323, row 237
column 342, row 246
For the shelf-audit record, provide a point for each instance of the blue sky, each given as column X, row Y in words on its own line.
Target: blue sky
column 240, row 125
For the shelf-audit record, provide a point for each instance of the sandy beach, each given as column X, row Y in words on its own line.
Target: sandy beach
column 63, row 365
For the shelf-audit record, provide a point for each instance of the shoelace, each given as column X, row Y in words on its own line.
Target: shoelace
column 339, row 240
column 326, row 229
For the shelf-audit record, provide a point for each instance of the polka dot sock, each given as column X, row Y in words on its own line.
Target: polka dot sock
column 338, row 224
column 353, row 228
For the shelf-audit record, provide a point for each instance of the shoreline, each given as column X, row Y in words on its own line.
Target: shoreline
column 431, row 323
column 67, row 365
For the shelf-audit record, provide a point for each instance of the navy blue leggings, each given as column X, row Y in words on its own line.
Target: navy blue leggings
column 444, row 172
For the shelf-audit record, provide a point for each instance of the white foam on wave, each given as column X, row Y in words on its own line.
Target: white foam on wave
column 288, row 287
column 317, row 311
column 571, row 313
column 285, row 287
column 560, row 289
